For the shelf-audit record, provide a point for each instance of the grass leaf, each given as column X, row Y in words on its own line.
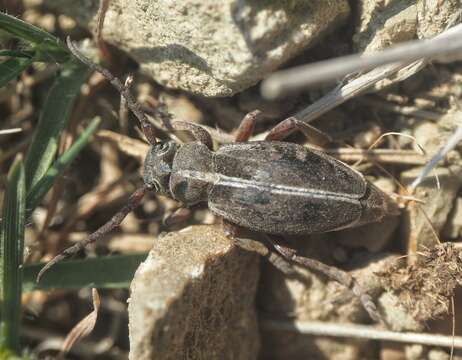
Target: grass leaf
column 11, row 68
column 50, row 47
column 12, row 248
column 17, row 53
column 40, row 189
column 53, row 119
column 103, row 272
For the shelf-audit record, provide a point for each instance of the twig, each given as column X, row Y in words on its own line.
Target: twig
column 389, row 156
column 453, row 311
column 123, row 108
column 403, row 110
column 10, row 131
column 361, row 331
column 98, row 34
column 282, row 82
column 451, row 144
column 354, row 88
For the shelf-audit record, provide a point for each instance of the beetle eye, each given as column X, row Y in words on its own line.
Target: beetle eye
column 163, row 147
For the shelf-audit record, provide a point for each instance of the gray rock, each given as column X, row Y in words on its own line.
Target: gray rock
column 438, row 204
column 212, row 48
column 396, row 316
column 453, row 228
column 434, row 17
column 374, row 236
column 384, row 23
column 193, row 298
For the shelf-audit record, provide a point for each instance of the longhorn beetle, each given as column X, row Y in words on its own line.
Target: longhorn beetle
column 267, row 186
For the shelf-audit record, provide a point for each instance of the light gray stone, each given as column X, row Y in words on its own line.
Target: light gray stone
column 438, row 204
column 193, row 298
column 383, row 23
column 208, row 47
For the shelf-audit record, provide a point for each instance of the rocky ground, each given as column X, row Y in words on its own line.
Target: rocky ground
column 197, row 296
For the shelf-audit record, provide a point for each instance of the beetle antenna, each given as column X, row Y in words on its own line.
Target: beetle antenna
column 133, row 105
column 132, row 203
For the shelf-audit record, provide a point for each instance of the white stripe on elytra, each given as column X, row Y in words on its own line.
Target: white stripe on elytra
column 224, row 180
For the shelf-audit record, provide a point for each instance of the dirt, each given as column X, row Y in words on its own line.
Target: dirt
column 426, row 289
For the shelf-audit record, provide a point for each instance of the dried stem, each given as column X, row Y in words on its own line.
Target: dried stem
column 98, row 35
column 10, row 131
column 388, row 156
column 403, row 110
column 361, row 332
column 282, row 82
column 354, row 88
column 450, row 144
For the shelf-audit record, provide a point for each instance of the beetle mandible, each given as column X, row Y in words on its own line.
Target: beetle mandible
column 267, row 186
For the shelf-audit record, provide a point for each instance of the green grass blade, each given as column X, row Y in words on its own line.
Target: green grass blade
column 17, row 53
column 53, row 119
column 41, row 40
column 12, row 248
column 104, row 272
column 40, row 189
column 11, row 68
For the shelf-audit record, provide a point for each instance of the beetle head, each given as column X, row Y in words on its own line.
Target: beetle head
column 158, row 166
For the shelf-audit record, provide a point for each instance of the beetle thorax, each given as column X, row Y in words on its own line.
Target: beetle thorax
column 158, row 166
column 192, row 162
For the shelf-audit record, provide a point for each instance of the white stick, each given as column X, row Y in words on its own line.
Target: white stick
column 361, row 331
column 10, row 131
column 282, row 82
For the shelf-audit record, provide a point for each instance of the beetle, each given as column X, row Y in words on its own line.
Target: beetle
column 269, row 186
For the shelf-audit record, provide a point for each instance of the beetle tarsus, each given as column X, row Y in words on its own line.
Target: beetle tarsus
column 69, row 252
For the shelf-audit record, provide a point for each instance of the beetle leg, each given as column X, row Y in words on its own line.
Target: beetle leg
column 199, row 133
column 291, row 124
column 231, row 230
column 132, row 203
column 247, row 126
column 179, row 216
column 335, row 274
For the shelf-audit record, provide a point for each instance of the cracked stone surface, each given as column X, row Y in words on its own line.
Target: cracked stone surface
column 207, row 47
column 193, row 298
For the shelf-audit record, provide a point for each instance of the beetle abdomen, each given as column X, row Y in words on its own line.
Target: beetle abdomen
column 261, row 207
column 278, row 187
